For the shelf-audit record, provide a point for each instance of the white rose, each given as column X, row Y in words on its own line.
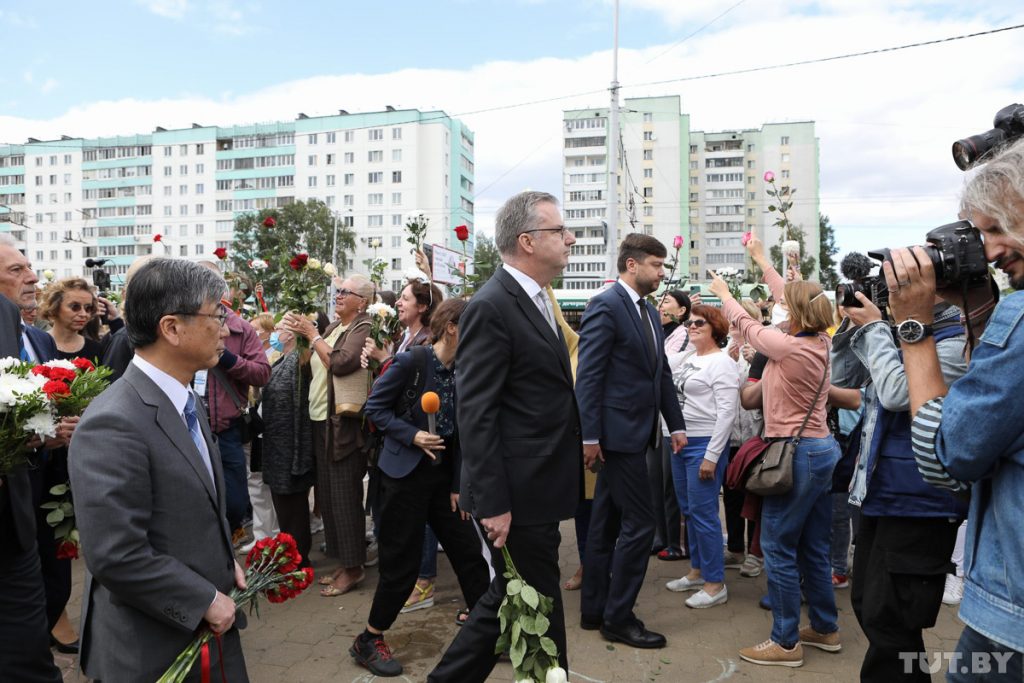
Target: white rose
column 330, row 269
column 313, row 264
column 556, row 675
column 42, row 424
column 49, row 274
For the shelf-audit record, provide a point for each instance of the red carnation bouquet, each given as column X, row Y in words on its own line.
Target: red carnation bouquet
column 272, row 570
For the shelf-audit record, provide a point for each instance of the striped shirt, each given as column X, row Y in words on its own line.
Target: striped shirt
column 923, row 432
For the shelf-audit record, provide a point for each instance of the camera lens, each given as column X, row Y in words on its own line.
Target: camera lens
column 970, row 150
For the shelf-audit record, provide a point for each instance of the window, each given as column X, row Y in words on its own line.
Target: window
column 396, row 176
column 784, row 140
column 396, row 241
column 350, row 157
column 331, row 137
column 53, row 179
column 648, row 135
column 375, row 155
column 396, row 221
column 198, row 249
column 182, row 189
column 330, row 181
column 200, row 149
column 750, row 164
column 396, row 197
column 648, row 192
column 183, row 169
column 375, row 198
column 375, row 134
column 648, row 210
column 67, row 178
column 784, row 173
column 168, row 211
column 312, row 181
column 311, row 160
column 199, row 209
column 693, row 149
column 350, row 178
column 167, row 171
column 648, row 155
column 331, row 158
column 350, row 135
column 168, row 190
column 199, row 188
column 183, row 230
column 396, row 263
column 199, row 228
column 375, row 221
column 375, row 177
column 167, row 151
column 183, row 250
column 648, row 117
column 751, row 196
column 750, row 180
column 348, row 200
column 200, row 168
column 396, row 133
column 67, row 158
column 785, row 157
column 648, row 173
column 396, row 155
column 183, row 209
column 312, row 138
column 694, row 164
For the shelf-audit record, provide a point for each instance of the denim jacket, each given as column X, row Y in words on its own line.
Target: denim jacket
column 976, row 435
column 885, row 479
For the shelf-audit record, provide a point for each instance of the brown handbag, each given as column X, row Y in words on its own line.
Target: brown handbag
column 351, row 390
column 772, row 474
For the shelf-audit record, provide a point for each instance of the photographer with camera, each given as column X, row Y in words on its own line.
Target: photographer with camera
column 907, row 527
column 965, row 435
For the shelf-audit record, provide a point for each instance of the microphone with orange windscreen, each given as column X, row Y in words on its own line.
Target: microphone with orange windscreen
column 430, row 402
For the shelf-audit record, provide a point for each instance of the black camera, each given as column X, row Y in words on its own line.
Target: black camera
column 100, row 277
column 1007, row 126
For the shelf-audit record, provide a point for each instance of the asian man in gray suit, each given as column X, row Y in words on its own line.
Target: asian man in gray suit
column 149, row 490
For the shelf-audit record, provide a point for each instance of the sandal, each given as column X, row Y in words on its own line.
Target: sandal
column 329, row 580
column 462, row 616
column 574, row 582
column 422, row 597
column 333, row 591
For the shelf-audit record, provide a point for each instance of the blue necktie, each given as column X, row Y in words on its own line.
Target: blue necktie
column 22, row 351
column 192, row 420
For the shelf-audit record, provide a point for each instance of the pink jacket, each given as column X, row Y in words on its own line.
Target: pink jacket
column 245, row 364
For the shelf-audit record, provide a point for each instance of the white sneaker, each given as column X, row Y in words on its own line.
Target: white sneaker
column 752, row 566
column 954, row 591
column 702, row 599
column 731, row 560
column 684, row 584
column 316, row 525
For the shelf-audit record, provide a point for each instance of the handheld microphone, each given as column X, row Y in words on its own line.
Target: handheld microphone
column 430, row 402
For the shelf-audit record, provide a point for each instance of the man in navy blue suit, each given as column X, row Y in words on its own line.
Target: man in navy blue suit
column 623, row 384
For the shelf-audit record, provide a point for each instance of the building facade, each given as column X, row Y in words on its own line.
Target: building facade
column 107, row 198
column 707, row 188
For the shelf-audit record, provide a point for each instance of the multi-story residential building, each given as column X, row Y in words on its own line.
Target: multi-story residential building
column 71, row 199
column 728, row 193
column 652, row 196
column 708, row 188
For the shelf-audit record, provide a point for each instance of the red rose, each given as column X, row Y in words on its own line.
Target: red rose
column 55, row 388
column 269, row 222
column 84, row 364
column 43, row 370
column 67, row 550
column 157, row 237
column 462, row 232
column 221, row 253
column 62, row 375
column 299, row 262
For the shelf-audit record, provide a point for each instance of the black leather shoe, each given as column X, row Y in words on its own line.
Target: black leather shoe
column 588, row 623
column 64, row 648
column 633, row 634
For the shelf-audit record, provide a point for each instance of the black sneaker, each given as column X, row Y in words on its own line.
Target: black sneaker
column 375, row 655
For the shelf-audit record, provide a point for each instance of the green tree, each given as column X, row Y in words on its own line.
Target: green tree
column 486, row 260
column 826, row 253
column 276, row 235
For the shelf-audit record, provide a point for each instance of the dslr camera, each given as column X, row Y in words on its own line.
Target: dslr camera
column 1007, row 127
column 955, row 250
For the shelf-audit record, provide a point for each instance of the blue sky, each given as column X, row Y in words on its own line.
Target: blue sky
column 885, row 122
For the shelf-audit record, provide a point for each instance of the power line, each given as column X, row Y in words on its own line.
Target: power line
column 686, row 38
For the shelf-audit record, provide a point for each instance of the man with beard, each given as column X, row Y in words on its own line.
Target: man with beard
column 970, row 436
column 622, row 385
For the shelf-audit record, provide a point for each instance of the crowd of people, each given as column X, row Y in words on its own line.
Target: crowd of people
column 642, row 425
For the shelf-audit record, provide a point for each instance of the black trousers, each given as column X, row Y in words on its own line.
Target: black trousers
column 620, row 537
column 406, row 506
column 534, row 551
column 899, row 571
column 293, row 518
column 52, row 470
column 25, row 654
column 663, row 497
column 739, row 530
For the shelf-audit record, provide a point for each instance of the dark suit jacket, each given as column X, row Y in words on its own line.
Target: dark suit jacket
column 17, row 519
column 518, row 422
column 154, row 534
column 42, row 343
column 622, row 384
column 398, row 456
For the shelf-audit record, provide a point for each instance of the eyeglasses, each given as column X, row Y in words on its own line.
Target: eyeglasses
column 346, row 292
column 221, row 316
column 77, row 307
column 562, row 230
column 694, row 323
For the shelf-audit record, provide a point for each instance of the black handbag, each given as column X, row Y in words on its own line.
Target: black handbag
column 772, row 474
column 250, row 425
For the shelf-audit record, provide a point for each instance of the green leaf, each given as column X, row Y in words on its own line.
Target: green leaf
column 529, row 662
column 771, row 207
column 529, row 624
column 541, row 624
column 59, row 490
column 503, row 643
column 54, row 517
column 539, row 670
column 63, row 529
column 530, row 596
column 514, row 587
column 52, row 505
column 549, row 646
column 517, row 630
column 67, row 508
column 517, row 653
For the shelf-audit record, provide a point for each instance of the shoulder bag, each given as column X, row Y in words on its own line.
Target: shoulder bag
column 772, row 474
column 251, row 424
column 351, row 390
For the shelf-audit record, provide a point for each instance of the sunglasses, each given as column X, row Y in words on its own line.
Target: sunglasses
column 77, row 307
column 694, row 323
column 346, row 292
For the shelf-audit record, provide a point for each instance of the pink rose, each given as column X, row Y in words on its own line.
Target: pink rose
column 677, row 242
column 769, row 177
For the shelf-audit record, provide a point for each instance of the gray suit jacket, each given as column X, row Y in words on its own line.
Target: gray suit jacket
column 154, row 535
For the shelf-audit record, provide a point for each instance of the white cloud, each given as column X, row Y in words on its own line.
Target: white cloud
column 172, row 9
column 48, row 85
column 885, row 122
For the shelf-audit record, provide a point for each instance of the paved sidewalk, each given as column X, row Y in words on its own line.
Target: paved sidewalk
column 307, row 639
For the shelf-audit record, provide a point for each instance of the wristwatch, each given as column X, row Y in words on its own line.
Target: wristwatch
column 911, row 331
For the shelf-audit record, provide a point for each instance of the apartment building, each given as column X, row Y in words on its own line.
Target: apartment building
column 70, row 199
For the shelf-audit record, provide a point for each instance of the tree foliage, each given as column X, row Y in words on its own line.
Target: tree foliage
column 826, row 253
column 297, row 227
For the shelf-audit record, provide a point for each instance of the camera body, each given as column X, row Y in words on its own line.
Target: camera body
column 1007, row 127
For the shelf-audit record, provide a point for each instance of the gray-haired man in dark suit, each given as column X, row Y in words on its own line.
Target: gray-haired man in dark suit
column 149, row 490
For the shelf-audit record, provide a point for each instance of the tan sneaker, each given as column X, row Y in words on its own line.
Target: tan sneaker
column 829, row 642
column 770, row 653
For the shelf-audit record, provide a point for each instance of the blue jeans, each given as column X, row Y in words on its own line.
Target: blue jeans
column 236, row 480
column 995, row 662
column 795, row 530
column 840, row 546
column 698, row 503
column 428, row 561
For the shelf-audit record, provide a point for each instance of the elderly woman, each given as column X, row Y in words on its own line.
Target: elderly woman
column 420, row 470
column 794, row 524
column 709, row 385
column 338, row 439
column 289, row 469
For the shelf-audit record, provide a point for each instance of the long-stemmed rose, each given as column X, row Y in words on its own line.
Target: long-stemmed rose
column 304, row 288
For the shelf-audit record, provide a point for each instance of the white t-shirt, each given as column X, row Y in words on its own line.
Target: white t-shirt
column 709, row 389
